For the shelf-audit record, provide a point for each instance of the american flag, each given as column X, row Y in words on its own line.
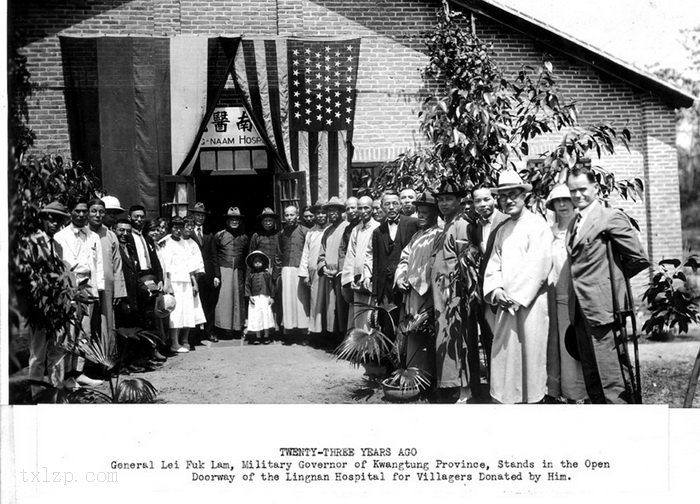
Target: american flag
column 302, row 96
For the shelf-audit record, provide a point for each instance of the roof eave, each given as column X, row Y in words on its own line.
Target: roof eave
column 579, row 51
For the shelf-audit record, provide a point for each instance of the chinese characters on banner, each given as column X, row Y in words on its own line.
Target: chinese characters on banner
column 230, row 127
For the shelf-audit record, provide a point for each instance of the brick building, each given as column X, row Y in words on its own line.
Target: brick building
column 389, row 87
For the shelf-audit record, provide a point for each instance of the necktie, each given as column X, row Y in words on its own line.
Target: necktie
column 199, row 234
column 574, row 231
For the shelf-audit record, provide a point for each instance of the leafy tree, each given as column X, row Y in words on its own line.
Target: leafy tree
column 20, row 89
column 478, row 122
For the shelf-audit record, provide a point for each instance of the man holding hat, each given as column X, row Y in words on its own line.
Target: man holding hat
column 210, row 280
column 308, row 268
column 515, row 282
column 231, row 246
column 452, row 374
column 591, row 305
column 44, row 353
column 330, row 267
column 413, row 278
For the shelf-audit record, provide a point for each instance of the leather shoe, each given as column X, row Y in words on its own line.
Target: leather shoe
column 157, row 356
column 213, row 338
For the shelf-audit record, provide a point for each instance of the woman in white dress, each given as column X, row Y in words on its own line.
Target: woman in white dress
column 182, row 260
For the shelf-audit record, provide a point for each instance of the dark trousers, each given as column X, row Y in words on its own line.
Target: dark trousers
column 208, row 295
column 601, row 366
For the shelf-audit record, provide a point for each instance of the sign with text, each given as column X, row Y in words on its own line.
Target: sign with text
column 230, row 127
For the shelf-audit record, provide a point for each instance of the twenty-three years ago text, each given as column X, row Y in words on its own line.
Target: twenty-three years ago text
column 367, row 465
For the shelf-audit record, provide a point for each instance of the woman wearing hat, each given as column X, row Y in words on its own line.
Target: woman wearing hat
column 260, row 291
column 564, row 373
column 231, row 246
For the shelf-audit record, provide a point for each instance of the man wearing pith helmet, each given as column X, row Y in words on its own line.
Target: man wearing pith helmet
column 231, row 246
column 515, row 282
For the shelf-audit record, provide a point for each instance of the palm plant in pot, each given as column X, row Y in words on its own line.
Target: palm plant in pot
column 371, row 347
column 409, row 380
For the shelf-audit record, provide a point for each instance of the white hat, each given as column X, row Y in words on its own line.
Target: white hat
column 560, row 191
column 112, row 203
column 509, row 179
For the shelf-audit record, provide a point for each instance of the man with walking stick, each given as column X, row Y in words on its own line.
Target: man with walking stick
column 604, row 252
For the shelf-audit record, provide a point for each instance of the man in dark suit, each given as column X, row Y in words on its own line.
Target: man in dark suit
column 208, row 281
column 149, row 265
column 388, row 240
column 482, row 232
column 591, row 302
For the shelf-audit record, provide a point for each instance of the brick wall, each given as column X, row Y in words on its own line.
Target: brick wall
column 390, row 90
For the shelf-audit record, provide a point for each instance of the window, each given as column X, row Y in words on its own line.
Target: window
column 232, row 161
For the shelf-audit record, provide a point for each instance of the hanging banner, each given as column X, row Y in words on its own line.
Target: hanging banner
column 230, row 127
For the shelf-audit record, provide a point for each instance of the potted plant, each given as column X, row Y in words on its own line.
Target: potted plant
column 372, row 347
column 671, row 301
column 407, row 382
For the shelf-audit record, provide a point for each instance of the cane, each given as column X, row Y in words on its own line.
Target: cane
column 620, row 333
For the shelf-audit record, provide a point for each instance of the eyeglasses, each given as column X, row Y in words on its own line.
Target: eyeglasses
column 511, row 195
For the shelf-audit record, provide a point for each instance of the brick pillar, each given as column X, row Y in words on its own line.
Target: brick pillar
column 663, row 208
column 290, row 18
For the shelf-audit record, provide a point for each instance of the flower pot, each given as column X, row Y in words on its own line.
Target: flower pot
column 396, row 393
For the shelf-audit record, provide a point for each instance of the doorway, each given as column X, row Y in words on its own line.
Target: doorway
column 250, row 193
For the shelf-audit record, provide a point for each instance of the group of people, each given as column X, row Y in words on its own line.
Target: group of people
column 319, row 271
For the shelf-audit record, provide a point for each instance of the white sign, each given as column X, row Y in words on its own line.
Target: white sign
column 230, row 127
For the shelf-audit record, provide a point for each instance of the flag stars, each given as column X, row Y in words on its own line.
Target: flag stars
column 329, row 121
column 328, row 89
column 319, row 107
column 349, row 48
column 319, row 117
column 307, row 51
column 318, row 54
column 328, row 99
column 329, row 110
column 327, row 78
column 348, row 110
column 327, row 48
column 297, row 115
column 296, row 82
column 297, row 104
column 319, row 96
column 337, row 114
column 296, row 94
column 307, row 61
column 296, row 73
column 348, row 78
column 308, row 121
column 337, row 94
column 308, row 101
column 318, row 86
column 349, row 58
column 318, row 65
column 295, row 62
column 295, row 52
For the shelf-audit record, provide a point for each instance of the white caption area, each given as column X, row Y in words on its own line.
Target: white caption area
column 338, row 453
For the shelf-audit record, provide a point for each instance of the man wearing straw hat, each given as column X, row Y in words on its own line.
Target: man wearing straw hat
column 330, row 268
column 515, row 282
column 44, row 353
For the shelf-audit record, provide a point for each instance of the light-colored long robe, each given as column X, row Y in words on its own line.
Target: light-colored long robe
column 115, row 287
column 308, row 268
column 415, row 267
column 329, row 260
column 354, row 268
column 520, row 264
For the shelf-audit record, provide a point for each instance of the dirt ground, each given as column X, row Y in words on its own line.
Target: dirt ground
column 228, row 372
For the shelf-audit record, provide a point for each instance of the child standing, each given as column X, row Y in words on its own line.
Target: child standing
column 259, row 289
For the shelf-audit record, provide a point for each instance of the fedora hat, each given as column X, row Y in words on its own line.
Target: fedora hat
column 55, row 208
column 199, row 208
column 165, row 304
column 268, row 212
column 257, row 253
column 560, row 191
column 570, row 342
column 425, row 199
column 234, row 212
column 509, row 179
column 335, row 201
column 450, row 186
column 112, row 203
